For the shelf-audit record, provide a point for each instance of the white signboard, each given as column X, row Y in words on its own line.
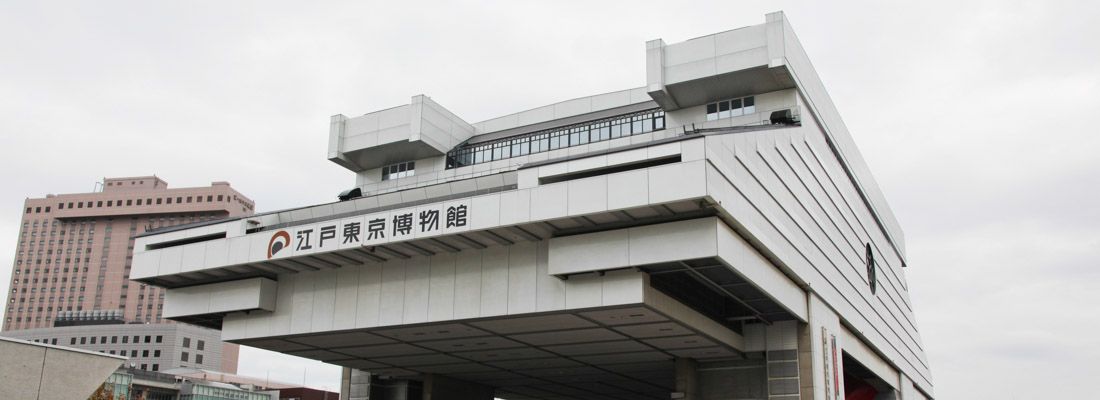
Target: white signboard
column 365, row 230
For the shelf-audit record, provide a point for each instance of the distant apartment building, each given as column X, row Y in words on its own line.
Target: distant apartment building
column 74, row 254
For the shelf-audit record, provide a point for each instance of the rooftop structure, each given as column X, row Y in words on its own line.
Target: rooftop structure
column 712, row 234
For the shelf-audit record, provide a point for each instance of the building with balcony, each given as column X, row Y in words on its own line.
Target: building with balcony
column 713, row 234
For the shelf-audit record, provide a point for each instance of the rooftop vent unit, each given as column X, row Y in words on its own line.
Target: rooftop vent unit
column 783, row 117
column 350, row 194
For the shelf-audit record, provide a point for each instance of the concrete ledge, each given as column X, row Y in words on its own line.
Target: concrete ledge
column 670, row 242
column 242, row 295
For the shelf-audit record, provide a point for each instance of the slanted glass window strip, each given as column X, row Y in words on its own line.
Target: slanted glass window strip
column 399, row 170
column 557, row 138
column 735, row 108
column 731, row 108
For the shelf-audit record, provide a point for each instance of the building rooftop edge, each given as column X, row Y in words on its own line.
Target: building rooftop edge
column 559, row 102
column 213, row 184
column 127, row 325
column 63, row 348
column 113, row 178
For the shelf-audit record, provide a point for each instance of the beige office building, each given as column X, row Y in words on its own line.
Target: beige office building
column 74, row 252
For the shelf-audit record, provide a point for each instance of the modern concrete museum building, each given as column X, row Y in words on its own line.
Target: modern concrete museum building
column 714, row 234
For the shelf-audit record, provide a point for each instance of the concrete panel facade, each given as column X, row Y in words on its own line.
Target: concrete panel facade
column 503, row 280
column 636, row 244
column 798, row 204
column 44, row 372
column 241, row 295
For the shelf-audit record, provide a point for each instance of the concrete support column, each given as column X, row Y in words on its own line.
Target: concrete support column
column 687, row 380
column 827, row 369
column 805, row 362
column 655, row 75
column 781, row 360
column 345, row 383
column 443, row 388
column 354, row 384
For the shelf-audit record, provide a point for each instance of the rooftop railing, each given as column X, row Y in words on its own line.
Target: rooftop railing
column 557, row 138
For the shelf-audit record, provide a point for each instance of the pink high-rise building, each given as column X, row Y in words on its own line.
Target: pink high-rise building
column 75, row 250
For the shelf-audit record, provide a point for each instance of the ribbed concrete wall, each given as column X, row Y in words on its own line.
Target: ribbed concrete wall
column 40, row 372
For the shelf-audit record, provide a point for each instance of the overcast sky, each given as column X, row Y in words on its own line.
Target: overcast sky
column 973, row 116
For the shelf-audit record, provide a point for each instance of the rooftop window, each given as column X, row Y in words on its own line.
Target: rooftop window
column 558, row 138
column 399, row 170
column 731, row 108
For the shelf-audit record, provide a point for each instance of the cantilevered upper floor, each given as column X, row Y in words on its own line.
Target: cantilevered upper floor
column 752, row 76
column 724, row 200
